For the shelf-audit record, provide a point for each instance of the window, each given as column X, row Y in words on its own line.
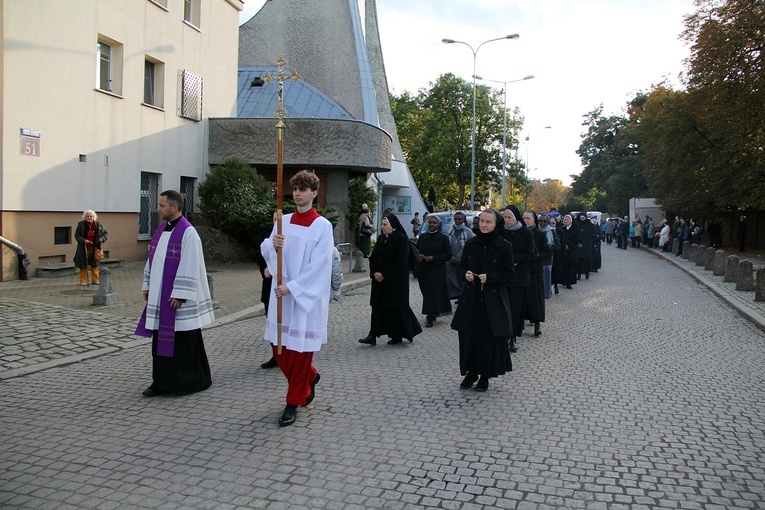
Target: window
column 148, row 220
column 161, row 3
column 187, row 191
column 153, row 82
column 189, row 97
column 109, row 65
column 191, row 9
column 62, row 235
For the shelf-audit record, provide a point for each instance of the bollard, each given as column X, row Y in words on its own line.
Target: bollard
column 692, row 252
column 745, row 280
column 731, row 268
column 105, row 294
column 675, row 246
column 700, row 254
column 759, row 285
column 709, row 263
column 211, row 286
column 686, row 249
column 719, row 267
column 358, row 259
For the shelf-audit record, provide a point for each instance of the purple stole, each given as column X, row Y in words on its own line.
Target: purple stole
column 166, row 334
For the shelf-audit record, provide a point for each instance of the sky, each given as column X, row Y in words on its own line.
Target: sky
column 582, row 54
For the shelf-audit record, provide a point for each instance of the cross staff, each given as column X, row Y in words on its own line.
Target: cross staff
column 280, row 113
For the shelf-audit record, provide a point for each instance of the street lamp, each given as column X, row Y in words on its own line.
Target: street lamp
column 504, row 130
column 528, row 167
column 472, row 148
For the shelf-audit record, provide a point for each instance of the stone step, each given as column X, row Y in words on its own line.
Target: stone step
column 61, row 269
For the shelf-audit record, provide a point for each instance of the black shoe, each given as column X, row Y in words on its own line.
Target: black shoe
column 270, row 363
column 468, row 381
column 578, row 277
column 151, row 391
column 587, row 276
column 556, row 289
column 483, row 384
column 313, row 389
column 513, row 346
column 429, row 322
column 568, row 286
column 288, row 415
column 594, row 270
column 394, row 341
column 368, row 340
column 537, row 330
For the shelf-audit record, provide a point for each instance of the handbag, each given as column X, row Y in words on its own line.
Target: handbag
column 367, row 230
column 98, row 254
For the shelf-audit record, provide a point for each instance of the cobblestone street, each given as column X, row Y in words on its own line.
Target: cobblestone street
column 644, row 391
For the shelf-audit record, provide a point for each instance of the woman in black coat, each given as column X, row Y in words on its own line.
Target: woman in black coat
column 483, row 314
column 535, row 296
column 389, row 270
column 571, row 244
column 89, row 234
column 435, row 252
column 556, row 275
column 586, row 234
column 524, row 253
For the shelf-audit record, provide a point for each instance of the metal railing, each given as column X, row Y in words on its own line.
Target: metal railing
column 23, row 260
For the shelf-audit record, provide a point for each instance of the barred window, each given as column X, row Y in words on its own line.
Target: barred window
column 187, row 192
column 189, row 103
column 148, row 219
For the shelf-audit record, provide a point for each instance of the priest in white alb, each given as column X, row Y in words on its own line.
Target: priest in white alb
column 307, row 248
column 178, row 303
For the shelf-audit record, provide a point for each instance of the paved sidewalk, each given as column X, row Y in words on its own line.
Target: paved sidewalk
column 46, row 322
column 743, row 301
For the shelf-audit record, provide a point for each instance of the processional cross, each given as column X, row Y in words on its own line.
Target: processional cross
column 280, row 113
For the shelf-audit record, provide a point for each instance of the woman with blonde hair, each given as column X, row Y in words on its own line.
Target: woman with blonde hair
column 89, row 235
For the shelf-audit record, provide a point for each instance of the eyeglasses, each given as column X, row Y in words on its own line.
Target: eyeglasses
column 542, row 221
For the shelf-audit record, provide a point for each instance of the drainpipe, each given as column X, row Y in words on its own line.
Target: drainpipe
column 23, row 260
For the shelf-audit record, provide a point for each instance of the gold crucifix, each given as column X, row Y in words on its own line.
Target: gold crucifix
column 280, row 113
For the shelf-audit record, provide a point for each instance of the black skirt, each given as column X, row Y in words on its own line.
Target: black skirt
column 188, row 370
column 481, row 352
column 397, row 323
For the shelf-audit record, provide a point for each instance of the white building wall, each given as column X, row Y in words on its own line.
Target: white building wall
column 49, row 84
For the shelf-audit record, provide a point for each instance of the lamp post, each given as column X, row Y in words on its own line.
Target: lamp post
column 473, row 134
column 504, row 131
column 528, row 167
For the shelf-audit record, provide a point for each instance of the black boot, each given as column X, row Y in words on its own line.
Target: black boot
column 368, row 340
column 537, row 330
column 513, row 345
column 288, row 415
column 469, row 380
column 483, row 384
column 270, row 363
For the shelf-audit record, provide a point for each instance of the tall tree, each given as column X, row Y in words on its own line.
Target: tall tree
column 435, row 129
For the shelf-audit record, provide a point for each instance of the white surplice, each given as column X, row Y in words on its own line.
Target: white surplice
column 190, row 284
column 307, row 272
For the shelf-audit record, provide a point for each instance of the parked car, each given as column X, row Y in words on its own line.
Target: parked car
column 447, row 220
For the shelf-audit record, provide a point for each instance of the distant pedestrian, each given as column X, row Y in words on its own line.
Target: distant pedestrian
column 178, row 303
column 365, row 231
column 741, row 234
column 458, row 235
column 416, row 224
column 89, row 234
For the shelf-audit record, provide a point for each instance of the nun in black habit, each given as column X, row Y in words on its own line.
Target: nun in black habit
column 483, row 314
column 524, row 253
column 389, row 270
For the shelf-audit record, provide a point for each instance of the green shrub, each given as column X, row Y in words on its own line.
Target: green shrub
column 237, row 200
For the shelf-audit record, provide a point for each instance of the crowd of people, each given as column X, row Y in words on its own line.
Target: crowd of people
column 498, row 274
